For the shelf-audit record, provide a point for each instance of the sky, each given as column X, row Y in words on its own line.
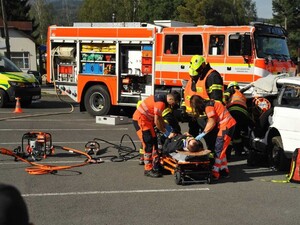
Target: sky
column 264, row 8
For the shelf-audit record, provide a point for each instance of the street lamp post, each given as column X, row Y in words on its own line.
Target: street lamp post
column 5, row 29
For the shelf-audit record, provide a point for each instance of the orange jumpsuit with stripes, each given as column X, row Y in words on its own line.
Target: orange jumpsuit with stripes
column 143, row 121
column 226, row 124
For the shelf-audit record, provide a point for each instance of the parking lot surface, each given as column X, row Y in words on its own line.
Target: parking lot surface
column 117, row 192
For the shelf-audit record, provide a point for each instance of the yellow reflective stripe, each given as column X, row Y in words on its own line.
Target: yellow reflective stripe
column 215, row 87
column 138, row 103
column 166, row 111
column 142, row 151
column 226, row 94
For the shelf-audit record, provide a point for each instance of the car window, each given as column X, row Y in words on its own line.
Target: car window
column 291, row 96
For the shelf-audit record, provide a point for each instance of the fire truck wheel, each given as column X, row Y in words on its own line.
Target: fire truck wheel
column 3, row 98
column 97, row 100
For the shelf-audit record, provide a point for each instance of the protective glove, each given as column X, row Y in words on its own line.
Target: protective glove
column 200, row 136
column 169, row 129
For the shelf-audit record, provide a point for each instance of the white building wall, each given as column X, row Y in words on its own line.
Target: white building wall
column 19, row 42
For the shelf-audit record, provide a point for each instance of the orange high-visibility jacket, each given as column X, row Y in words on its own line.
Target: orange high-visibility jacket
column 237, row 99
column 217, row 110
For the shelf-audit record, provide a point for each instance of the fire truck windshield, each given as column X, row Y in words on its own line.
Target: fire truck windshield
column 270, row 46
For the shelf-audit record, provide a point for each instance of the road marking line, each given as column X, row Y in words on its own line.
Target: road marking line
column 71, row 129
column 114, row 192
column 65, row 162
column 73, row 142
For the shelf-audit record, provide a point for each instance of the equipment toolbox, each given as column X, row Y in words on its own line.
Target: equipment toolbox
column 112, row 120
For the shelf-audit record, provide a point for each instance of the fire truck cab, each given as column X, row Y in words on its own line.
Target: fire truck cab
column 103, row 64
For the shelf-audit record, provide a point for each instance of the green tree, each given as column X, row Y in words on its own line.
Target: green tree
column 217, row 12
column 96, row 11
column 287, row 14
column 18, row 10
column 128, row 10
column 148, row 11
column 41, row 11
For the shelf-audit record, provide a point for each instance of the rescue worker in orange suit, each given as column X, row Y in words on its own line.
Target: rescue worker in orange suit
column 207, row 83
column 147, row 116
column 236, row 104
column 218, row 116
column 171, row 124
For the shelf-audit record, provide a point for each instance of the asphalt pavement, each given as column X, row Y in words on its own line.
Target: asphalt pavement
column 115, row 191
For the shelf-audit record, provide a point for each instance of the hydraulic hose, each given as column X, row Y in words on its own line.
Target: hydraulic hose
column 39, row 169
column 124, row 152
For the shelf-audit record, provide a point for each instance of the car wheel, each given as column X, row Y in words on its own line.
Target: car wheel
column 97, row 100
column 3, row 98
column 251, row 158
column 178, row 178
column 278, row 159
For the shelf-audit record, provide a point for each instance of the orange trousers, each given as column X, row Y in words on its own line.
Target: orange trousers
column 146, row 133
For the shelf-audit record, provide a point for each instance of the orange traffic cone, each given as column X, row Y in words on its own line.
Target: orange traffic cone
column 18, row 106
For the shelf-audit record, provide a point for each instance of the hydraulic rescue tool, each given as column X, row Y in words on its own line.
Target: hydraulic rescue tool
column 38, row 145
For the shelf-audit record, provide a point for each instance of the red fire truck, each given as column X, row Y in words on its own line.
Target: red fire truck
column 100, row 65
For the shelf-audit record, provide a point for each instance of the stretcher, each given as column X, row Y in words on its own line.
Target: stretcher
column 189, row 167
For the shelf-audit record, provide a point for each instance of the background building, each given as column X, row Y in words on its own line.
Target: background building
column 22, row 46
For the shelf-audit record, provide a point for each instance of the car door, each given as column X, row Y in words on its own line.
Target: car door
column 286, row 117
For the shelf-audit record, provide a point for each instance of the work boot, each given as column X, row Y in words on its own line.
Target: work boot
column 224, row 174
column 152, row 173
column 141, row 160
column 215, row 176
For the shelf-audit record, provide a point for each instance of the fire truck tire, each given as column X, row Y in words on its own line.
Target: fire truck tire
column 3, row 98
column 97, row 100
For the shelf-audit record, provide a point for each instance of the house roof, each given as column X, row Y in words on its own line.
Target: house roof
column 20, row 25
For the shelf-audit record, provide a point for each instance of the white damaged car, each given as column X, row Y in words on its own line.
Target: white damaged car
column 275, row 110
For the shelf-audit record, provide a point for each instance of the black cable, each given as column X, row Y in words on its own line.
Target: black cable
column 124, row 152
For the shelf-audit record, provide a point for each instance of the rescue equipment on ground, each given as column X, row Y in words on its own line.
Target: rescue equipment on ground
column 39, row 169
column 294, row 175
column 124, row 152
column 37, row 145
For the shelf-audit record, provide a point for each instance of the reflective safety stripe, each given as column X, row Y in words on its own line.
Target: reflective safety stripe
column 237, row 98
column 217, row 165
column 224, row 164
column 142, row 152
column 238, row 108
column 237, row 141
column 166, row 111
column 216, row 169
column 143, row 109
column 215, row 87
column 148, row 161
column 225, row 117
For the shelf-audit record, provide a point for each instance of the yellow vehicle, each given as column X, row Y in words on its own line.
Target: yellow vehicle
column 15, row 83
